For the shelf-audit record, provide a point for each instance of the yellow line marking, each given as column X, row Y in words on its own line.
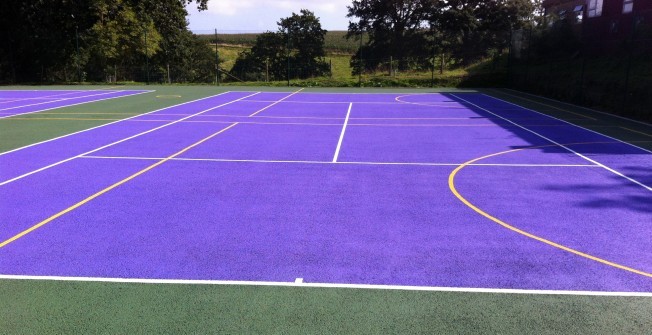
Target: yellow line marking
column 451, row 185
column 638, row 132
column 90, row 198
column 548, row 105
column 278, row 101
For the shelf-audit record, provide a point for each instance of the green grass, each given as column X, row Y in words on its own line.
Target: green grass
column 45, row 307
column 334, row 41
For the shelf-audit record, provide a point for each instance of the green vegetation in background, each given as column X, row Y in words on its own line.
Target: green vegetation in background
column 334, row 41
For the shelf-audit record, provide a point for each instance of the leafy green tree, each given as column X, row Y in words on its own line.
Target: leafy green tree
column 395, row 28
column 50, row 40
column 119, row 36
column 299, row 41
column 305, row 42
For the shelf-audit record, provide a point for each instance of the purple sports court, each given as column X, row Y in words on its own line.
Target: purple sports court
column 437, row 189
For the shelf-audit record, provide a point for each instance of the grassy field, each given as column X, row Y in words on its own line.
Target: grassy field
column 46, row 307
column 334, row 41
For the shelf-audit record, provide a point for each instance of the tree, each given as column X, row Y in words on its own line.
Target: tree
column 395, row 28
column 299, row 41
column 49, row 40
column 465, row 29
column 306, row 43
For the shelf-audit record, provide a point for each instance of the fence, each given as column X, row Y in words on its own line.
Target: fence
column 569, row 64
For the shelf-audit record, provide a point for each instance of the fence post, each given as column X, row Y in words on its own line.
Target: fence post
column 582, row 71
column 360, row 65
column 217, row 63
column 288, row 57
column 79, row 76
column 146, row 57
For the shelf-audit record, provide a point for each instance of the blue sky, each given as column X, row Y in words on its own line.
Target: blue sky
column 262, row 15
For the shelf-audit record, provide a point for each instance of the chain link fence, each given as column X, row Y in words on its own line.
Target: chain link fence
column 611, row 71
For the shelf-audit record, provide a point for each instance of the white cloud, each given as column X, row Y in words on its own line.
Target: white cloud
column 238, row 7
column 230, row 7
column 263, row 14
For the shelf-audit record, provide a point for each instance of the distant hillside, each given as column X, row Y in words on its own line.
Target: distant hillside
column 335, row 41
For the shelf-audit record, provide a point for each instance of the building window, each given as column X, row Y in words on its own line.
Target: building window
column 628, row 6
column 579, row 13
column 594, row 8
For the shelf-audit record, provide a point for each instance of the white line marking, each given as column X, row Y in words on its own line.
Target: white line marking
column 242, row 122
column 348, row 102
column 57, row 100
column 339, row 143
column 564, row 121
column 329, row 285
column 298, row 281
column 79, row 103
column 110, row 123
column 119, row 141
column 582, row 107
column 276, row 102
column 340, row 162
column 562, row 146
column 49, row 96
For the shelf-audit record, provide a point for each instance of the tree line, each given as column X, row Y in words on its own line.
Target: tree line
column 100, row 40
column 109, row 40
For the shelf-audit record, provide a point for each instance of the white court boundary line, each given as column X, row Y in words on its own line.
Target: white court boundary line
column 45, row 96
column 570, row 104
column 302, row 283
column 394, row 103
column 275, row 103
column 110, row 123
column 79, row 103
column 227, row 160
column 566, row 122
column 339, row 143
column 558, row 144
column 63, row 99
column 120, row 141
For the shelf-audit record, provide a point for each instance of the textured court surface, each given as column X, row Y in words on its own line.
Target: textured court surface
column 15, row 102
column 448, row 190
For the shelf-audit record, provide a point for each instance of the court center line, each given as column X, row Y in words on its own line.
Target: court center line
column 562, row 146
column 276, row 102
column 120, row 141
column 566, row 122
column 451, row 186
column 339, row 143
column 107, row 189
column 106, row 124
column 339, row 162
column 326, row 285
